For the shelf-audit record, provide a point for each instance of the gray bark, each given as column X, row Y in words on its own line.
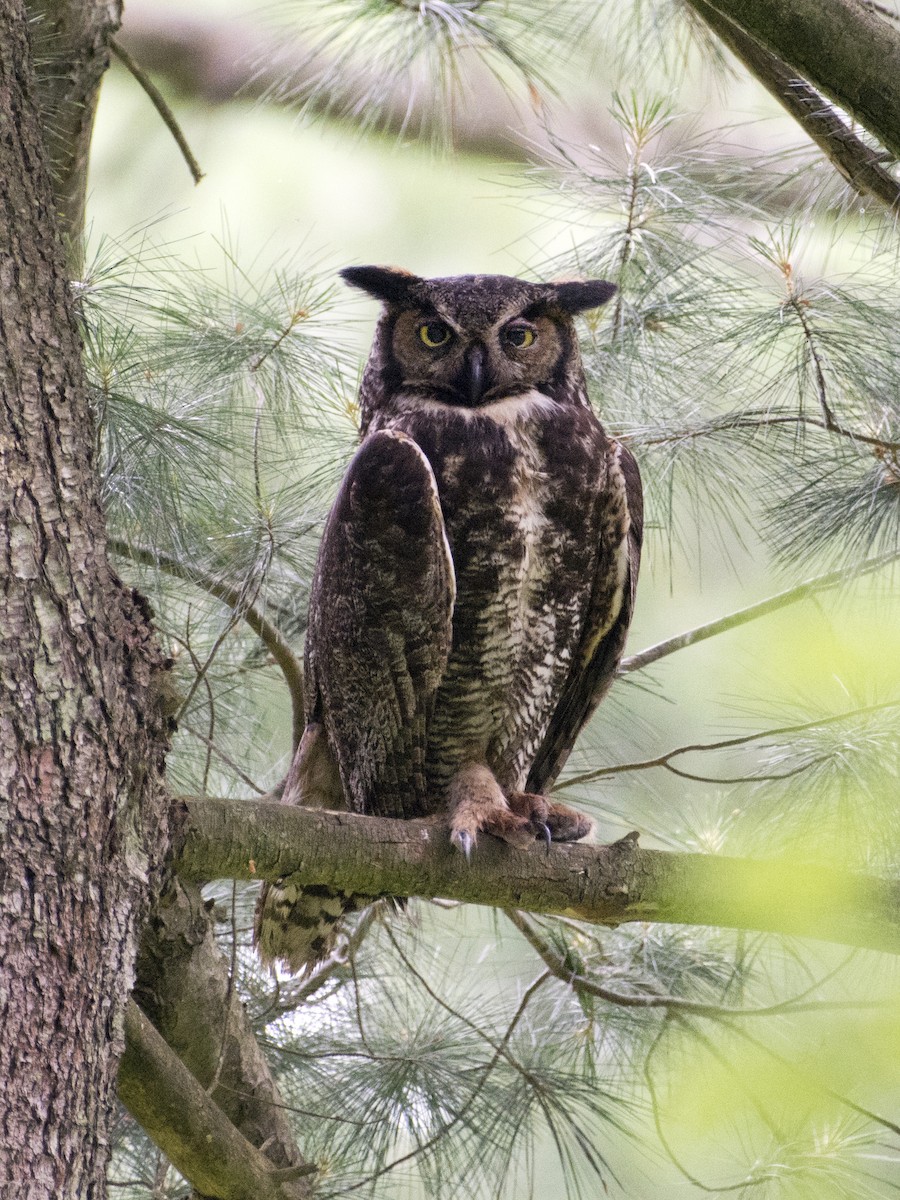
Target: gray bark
column 176, row 1111
column 82, row 736
column 859, row 164
column 183, row 987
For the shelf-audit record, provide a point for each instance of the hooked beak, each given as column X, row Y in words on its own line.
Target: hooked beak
column 475, row 373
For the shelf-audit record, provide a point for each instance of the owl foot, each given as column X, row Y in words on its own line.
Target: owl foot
column 547, row 820
column 478, row 805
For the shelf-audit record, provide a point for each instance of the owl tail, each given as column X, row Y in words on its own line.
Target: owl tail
column 298, row 926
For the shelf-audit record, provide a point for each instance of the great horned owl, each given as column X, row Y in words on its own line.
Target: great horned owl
column 475, row 581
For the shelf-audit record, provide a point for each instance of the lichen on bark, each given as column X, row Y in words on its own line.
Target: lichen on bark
column 82, row 742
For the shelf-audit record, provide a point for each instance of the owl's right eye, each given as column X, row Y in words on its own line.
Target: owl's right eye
column 434, row 334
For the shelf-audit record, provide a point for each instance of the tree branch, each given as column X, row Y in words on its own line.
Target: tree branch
column 820, row 583
column 607, row 885
column 744, row 739
column 270, row 635
column 71, row 56
column 168, row 1102
column 183, row 987
column 760, row 419
column 584, row 985
column 840, row 46
column 857, row 162
column 159, row 103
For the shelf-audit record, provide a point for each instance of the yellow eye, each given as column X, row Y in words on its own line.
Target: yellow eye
column 434, row 334
column 519, row 336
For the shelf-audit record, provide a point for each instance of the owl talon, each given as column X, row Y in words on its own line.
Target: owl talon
column 478, row 805
column 463, row 841
column 547, row 819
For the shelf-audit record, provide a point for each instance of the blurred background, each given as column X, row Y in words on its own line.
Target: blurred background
column 618, row 141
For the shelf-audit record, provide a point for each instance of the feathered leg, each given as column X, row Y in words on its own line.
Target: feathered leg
column 478, row 804
column 296, row 925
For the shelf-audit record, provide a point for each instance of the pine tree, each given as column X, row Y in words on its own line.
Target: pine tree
column 456, row 1049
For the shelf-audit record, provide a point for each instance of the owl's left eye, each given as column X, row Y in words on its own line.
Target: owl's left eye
column 518, row 336
column 434, row 334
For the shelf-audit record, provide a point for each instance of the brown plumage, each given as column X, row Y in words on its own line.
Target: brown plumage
column 475, row 581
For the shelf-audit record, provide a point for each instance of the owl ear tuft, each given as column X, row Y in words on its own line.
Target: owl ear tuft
column 390, row 284
column 576, row 296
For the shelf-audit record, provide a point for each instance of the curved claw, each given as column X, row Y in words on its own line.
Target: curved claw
column 463, row 841
column 544, row 830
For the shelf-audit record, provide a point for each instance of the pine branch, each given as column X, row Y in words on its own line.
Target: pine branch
column 857, row 162
column 811, row 587
column 840, row 46
column 662, row 760
column 500, row 1051
column 606, row 885
column 761, row 419
column 270, row 635
column 159, row 103
column 168, row 1102
column 223, row 60
column 581, row 984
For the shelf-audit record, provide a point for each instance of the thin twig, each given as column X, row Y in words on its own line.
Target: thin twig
column 220, row 753
column 297, row 316
column 502, row 1047
column 724, row 744
column 828, row 418
column 759, row 420
column 699, row 1008
column 627, row 234
column 357, row 1007
column 159, row 103
column 473, row 1095
column 810, row 587
column 829, row 421
column 851, row 1104
column 719, row 779
column 881, row 9
column 301, row 1112
column 229, row 993
column 201, row 674
column 208, row 740
column 270, row 635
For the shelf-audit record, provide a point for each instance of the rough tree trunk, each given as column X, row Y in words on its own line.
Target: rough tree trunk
column 82, row 736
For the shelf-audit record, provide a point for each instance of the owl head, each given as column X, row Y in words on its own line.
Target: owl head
column 471, row 340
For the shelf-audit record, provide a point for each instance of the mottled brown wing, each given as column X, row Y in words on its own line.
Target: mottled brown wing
column 594, row 665
column 380, row 625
